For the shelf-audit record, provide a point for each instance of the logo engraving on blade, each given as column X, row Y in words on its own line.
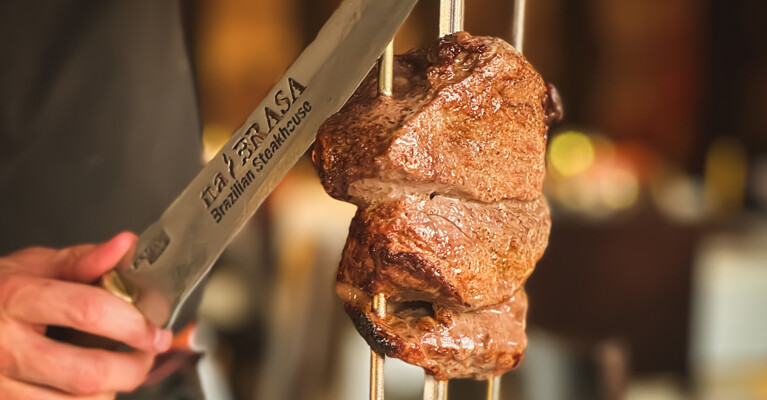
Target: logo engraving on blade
column 254, row 150
column 153, row 250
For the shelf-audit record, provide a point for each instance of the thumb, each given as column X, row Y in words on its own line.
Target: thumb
column 87, row 266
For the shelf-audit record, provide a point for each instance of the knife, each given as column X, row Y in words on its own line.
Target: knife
column 174, row 254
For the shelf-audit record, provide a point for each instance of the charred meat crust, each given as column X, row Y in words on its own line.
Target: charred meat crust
column 553, row 105
column 459, row 347
column 370, row 262
column 380, row 340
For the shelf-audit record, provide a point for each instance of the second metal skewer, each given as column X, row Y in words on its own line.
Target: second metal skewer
column 518, row 25
column 385, row 83
column 450, row 21
column 386, row 70
column 434, row 389
column 494, row 388
column 451, row 14
column 377, row 360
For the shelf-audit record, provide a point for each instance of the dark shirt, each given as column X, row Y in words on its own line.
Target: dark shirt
column 99, row 125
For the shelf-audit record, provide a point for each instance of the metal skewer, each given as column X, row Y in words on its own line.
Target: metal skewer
column 450, row 16
column 494, row 388
column 518, row 25
column 386, row 70
column 434, row 389
column 385, row 83
column 450, row 21
column 377, row 360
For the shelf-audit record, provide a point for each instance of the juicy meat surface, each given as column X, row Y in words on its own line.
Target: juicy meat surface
column 462, row 254
column 468, row 116
column 447, row 174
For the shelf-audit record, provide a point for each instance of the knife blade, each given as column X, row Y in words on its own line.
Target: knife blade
column 175, row 253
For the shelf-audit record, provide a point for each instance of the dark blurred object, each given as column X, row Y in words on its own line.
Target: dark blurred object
column 628, row 279
column 736, row 81
column 99, row 127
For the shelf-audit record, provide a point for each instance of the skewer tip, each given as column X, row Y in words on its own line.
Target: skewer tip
column 450, row 16
column 386, row 73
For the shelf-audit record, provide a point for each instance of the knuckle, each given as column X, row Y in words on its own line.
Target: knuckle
column 67, row 257
column 8, row 364
column 11, row 286
column 88, row 311
column 6, row 286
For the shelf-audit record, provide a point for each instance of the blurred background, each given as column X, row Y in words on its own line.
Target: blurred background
column 654, row 285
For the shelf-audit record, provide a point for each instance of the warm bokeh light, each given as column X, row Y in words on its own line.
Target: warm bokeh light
column 761, row 383
column 725, row 176
column 604, row 148
column 677, row 195
column 619, row 188
column 213, row 138
column 591, row 174
column 571, row 153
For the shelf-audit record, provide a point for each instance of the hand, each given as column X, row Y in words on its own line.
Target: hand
column 41, row 287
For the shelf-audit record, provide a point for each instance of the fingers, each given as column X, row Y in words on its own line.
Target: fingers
column 41, row 301
column 15, row 390
column 85, row 263
column 81, row 263
column 35, row 367
column 76, row 370
column 31, row 260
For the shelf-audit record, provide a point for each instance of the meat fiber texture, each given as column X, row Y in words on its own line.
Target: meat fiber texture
column 447, row 174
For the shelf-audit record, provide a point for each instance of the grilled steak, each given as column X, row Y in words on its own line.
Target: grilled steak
column 447, row 174
column 457, row 253
column 468, row 116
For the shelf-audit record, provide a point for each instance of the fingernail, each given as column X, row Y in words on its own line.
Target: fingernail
column 162, row 340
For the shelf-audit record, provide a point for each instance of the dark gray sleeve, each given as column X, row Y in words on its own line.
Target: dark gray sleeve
column 99, row 126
